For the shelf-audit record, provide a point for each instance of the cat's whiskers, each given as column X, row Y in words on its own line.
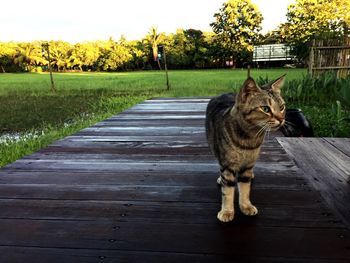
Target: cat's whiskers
column 259, row 131
column 262, row 129
column 268, row 132
column 289, row 123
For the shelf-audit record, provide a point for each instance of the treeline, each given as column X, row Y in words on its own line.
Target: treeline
column 184, row 49
column 236, row 29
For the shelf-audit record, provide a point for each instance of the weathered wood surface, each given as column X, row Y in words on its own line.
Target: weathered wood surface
column 141, row 187
column 326, row 165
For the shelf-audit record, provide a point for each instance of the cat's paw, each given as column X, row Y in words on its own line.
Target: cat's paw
column 218, row 181
column 249, row 210
column 226, row 215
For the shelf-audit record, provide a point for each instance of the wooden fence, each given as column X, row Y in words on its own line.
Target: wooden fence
column 332, row 55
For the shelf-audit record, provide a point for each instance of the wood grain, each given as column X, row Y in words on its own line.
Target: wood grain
column 141, row 187
column 326, row 168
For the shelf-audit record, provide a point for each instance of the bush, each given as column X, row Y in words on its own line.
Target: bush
column 324, row 99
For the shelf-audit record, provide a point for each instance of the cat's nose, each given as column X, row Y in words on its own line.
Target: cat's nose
column 280, row 118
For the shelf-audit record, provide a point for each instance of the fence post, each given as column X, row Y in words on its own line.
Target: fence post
column 46, row 47
column 311, row 57
column 342, row 73
column 166, row 71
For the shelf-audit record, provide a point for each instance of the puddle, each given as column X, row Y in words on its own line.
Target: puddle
column 9, row 138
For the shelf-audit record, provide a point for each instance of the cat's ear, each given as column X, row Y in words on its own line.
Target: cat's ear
column 278, row 83
column 249, row 87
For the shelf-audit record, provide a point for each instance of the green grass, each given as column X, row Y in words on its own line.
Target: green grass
column 29, row 107
column 27, row 102
column 35, row 139
column 201, row 81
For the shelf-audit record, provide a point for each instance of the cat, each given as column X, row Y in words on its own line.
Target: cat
column 235, row 129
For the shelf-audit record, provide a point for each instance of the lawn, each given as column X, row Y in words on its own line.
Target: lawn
column 30, row 110
column 204, row 81
column 27, row 102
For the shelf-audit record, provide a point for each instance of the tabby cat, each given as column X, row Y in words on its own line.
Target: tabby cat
column 235, row 128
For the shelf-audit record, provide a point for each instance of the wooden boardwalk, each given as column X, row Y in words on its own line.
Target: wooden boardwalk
column 326, row 165
column 141, row 187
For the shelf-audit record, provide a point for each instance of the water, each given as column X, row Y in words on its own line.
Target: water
column 9, row 138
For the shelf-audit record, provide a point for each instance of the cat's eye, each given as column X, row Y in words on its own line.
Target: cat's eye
column 266, row 109
column 282, row 108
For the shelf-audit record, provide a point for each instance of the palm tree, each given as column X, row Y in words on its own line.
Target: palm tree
column 155, row 39
column 60, row 54
column 7, row 52
column 29, row 55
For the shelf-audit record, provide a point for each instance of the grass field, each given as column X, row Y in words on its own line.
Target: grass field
column 207, row 82
column 38, row 116
column 27, row 102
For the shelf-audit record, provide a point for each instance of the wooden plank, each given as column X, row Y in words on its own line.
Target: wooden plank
column 211, row 239
column 141, row 186
column 177, row 100
column 173, row 106
column 182, row 99
column 150, row 123
column 264, row 180
column 160, row 212
column 127, row 144
column 106, row 165
column 186, row 194
column 165, row 112
column 59, row 255
column 147, row 149
column 272, row 156
column 130, row 138
column 140, row 145
column 332, row 47
column 158, row 117
column 342, row 144
column 142, row 142
column 155, row 131
column 326, row 168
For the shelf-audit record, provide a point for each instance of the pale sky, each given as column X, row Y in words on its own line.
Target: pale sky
column 84, row 20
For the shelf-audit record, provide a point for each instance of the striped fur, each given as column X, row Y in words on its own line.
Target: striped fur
column 235, row 128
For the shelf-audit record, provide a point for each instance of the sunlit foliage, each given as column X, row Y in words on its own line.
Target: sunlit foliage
column 237, row 25
column 308, row 19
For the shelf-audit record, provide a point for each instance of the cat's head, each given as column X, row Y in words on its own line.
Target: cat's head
column 262, row 107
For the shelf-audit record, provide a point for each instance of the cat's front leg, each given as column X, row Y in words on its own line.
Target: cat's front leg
column 244, row 186
column 227, row 212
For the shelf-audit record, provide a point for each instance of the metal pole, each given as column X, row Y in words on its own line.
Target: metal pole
column 166, row 70
column 46, row 46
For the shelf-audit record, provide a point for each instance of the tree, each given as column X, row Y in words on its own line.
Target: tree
column 309, row 19
column 196, row 48
column 155, row 39
column 7, row 52
column 237, row 25
column 314, row 19
column 61, row 54
column 28, row 55
column 84, row 55
column 138, row 51
column 176, row 50
column 271, row 37
column 113, row 55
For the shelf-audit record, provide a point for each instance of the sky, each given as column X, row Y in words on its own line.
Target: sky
column 88, row 20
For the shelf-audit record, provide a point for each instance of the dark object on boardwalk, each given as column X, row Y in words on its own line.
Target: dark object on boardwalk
column 297, row 125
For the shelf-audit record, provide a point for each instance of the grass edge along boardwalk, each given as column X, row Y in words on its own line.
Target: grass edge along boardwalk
column 141, row 186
